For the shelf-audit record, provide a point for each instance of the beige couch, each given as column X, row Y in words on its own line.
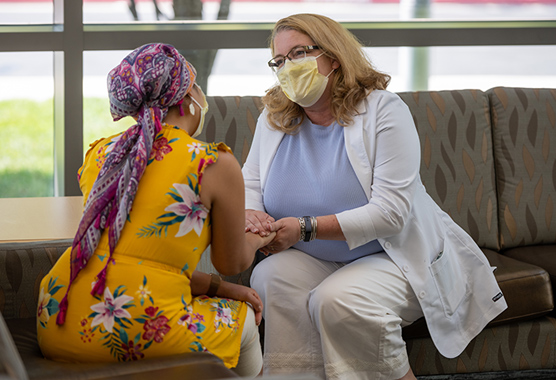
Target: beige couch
column 488, row 159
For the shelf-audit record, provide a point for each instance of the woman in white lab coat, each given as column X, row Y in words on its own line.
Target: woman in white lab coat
column 361, row 249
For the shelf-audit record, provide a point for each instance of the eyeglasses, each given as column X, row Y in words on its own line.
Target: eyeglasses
column 299, row 53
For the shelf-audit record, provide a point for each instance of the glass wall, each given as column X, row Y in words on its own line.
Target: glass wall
column 484, row 67
column 470, row 67
column 235, row 72
column 97, row 121
column 97, row 11
column 241, row 71
column 245, row 71
column 104, row 11
column 27, row 114
column 18, row 12
column 26, row 125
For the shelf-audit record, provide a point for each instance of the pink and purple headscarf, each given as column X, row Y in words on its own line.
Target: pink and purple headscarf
column 149, row 80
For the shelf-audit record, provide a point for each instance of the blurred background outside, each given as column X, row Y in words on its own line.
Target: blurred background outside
column 26, row 78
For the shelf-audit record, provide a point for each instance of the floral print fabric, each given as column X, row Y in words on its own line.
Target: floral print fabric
column 146, row 308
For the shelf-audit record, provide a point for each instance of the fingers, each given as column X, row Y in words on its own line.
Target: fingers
column 258, row 309
column 287, row 232
column 264, row 217
column 258, row 317
column 271, row 244
column 260, row 301
column 256, row 226
column 268, row 250
column 251, row 227
column 257, row 305
column 264, row 251
column 264, row 233
column 275, row 226
column 267, row 240
column 255, row 221
column 258, row 313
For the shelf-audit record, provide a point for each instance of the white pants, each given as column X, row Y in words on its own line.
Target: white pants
column 338, row 321
column 250, row 360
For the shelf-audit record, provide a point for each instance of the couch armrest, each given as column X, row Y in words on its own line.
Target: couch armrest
column 11, row 365
column 22, row 267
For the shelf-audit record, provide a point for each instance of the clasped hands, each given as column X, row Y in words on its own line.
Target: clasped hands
column 286, row 230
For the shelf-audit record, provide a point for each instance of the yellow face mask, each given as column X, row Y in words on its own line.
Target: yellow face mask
column 204, row 110
column 301, row 81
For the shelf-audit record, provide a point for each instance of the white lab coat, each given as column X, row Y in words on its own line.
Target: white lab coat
column 446, row 269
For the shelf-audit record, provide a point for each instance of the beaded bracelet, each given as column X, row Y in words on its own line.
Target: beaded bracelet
column 302, row 228
column 308, row 227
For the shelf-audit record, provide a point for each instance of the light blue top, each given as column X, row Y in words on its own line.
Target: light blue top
column 311, row 176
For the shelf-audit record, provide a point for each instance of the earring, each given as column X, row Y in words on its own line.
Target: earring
column 192, row 109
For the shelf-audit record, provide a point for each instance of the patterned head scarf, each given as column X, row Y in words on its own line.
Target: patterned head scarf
column 148, row 81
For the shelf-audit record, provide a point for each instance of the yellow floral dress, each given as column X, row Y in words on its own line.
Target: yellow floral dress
column 147, row 309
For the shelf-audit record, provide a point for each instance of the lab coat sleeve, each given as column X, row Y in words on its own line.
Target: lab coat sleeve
column 252, row 169
column 393, row 153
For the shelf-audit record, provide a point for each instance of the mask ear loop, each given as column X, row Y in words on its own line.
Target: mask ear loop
column 191, row 107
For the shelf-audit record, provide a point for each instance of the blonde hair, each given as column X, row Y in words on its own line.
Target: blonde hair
column 352, row 82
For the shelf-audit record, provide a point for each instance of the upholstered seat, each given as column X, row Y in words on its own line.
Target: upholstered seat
column 190, row 366
column 22, row 267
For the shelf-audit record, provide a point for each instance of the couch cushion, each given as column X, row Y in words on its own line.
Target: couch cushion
column 457, row 165
column 22, row 267
column 189, row 366
column 526, row 287
column 518, row 346
column 524, row 137
column 543, row 256
column 232, row 120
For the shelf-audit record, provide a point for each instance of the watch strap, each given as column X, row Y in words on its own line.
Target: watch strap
column 215, row 281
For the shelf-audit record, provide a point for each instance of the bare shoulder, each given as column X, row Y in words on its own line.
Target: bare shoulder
column 221, row 179
column 225, row 165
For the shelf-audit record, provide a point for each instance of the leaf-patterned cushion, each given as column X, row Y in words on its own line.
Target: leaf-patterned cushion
column 457, row 164
column 524, row 130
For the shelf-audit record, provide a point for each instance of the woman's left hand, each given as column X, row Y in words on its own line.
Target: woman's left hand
column 287, row 234
column 242, row 293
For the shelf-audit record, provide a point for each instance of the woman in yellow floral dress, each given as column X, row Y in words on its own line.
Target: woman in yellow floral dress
column 155, row 199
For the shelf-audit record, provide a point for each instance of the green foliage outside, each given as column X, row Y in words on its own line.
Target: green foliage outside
column 27, row 143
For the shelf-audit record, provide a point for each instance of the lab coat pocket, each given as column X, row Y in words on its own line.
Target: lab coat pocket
column 450, row 281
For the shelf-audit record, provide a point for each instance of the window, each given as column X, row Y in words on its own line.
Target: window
column 26, row 12
column 26, row 125
column 239, row 66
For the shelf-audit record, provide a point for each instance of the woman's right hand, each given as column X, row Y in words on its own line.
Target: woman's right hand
column 242, row 293
column 257, row 222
